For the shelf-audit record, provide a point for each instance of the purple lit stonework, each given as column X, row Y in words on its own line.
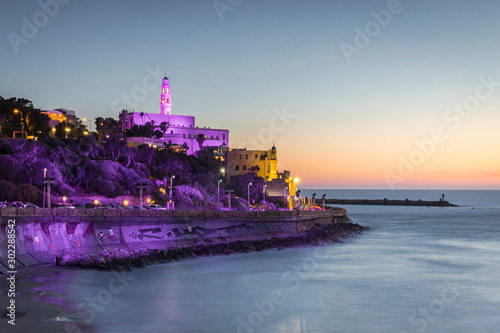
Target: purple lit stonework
column 181, row 129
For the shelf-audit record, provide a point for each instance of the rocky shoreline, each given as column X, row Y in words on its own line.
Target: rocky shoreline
column 126, row 260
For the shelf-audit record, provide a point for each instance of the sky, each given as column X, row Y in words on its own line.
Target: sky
column 355, row 94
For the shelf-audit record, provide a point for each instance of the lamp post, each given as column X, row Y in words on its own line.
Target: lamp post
column 64, row 201
column 218, row 194
column 66, row 129
column 324, row 196
column 171, row 193
column 22, row 119
column 141, row 187
column 264, row 194
column 248, row 195
column 90, row 124
column 284, row 198
column 44, row 177
column 48, row 182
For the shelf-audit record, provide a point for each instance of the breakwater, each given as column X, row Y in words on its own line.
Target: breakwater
column 387, row 202
column 66, row 235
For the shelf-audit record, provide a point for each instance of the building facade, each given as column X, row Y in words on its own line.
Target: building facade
column 61, row 115
column 181, row 130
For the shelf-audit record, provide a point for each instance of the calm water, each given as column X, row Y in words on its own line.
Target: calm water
column 418, row 270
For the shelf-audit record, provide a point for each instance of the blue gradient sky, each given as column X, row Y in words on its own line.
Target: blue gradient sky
column 353, row 121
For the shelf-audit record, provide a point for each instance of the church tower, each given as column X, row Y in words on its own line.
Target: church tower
column 166, row 99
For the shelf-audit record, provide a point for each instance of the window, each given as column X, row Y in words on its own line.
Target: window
column 246, row 157
column 237, row 167
column 190, row 136
column 163, row 90
column 244, row 167
column 223, row 136
column 241, row 156
column 256, row 156
column 183, row 135
column 234, row 157
column 211, row 136
column 171, row 132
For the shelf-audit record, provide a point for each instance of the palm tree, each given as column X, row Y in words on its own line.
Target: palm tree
column 200, row 138
column 164, row 127
column 142, row 116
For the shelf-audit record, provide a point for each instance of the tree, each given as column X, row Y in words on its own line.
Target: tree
column 200, row 138
column 140, row 131
column 38, row 123
column 107, row 126
column 158, row 134
column 164, row 127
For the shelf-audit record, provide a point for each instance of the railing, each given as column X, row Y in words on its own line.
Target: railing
column 14, row 211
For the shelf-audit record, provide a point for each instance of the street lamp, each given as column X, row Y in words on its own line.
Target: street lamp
column 218, row 194
column 264, row 193
column 44, row 177
column 22, row 119
column 284, row 198
column 248, row 197
column 171, row 196
column 125, row 203
column 67, row 130
column 64, row 201
column 90, row 124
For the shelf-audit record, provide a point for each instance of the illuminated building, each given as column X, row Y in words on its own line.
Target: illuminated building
column 61, row 115
column 181, row 130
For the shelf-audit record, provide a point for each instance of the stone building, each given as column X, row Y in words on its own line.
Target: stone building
column 181, row 130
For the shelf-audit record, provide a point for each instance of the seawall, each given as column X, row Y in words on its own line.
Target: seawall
column 43, row 234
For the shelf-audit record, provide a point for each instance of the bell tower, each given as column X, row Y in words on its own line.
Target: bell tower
column 166, row 98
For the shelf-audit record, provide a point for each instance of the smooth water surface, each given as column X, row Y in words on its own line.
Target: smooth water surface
column 417, row 270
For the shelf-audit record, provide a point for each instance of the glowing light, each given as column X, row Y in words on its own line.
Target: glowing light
column 125, row 203
column 64, row 199
column 296, row 180
column 148, row 200
column 96, row 202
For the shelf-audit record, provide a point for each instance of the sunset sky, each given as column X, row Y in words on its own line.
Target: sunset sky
column 408, row 101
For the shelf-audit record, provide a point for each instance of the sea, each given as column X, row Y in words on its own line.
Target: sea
column 418, row 269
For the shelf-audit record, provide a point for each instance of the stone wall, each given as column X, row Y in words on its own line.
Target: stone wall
column 43, row 234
